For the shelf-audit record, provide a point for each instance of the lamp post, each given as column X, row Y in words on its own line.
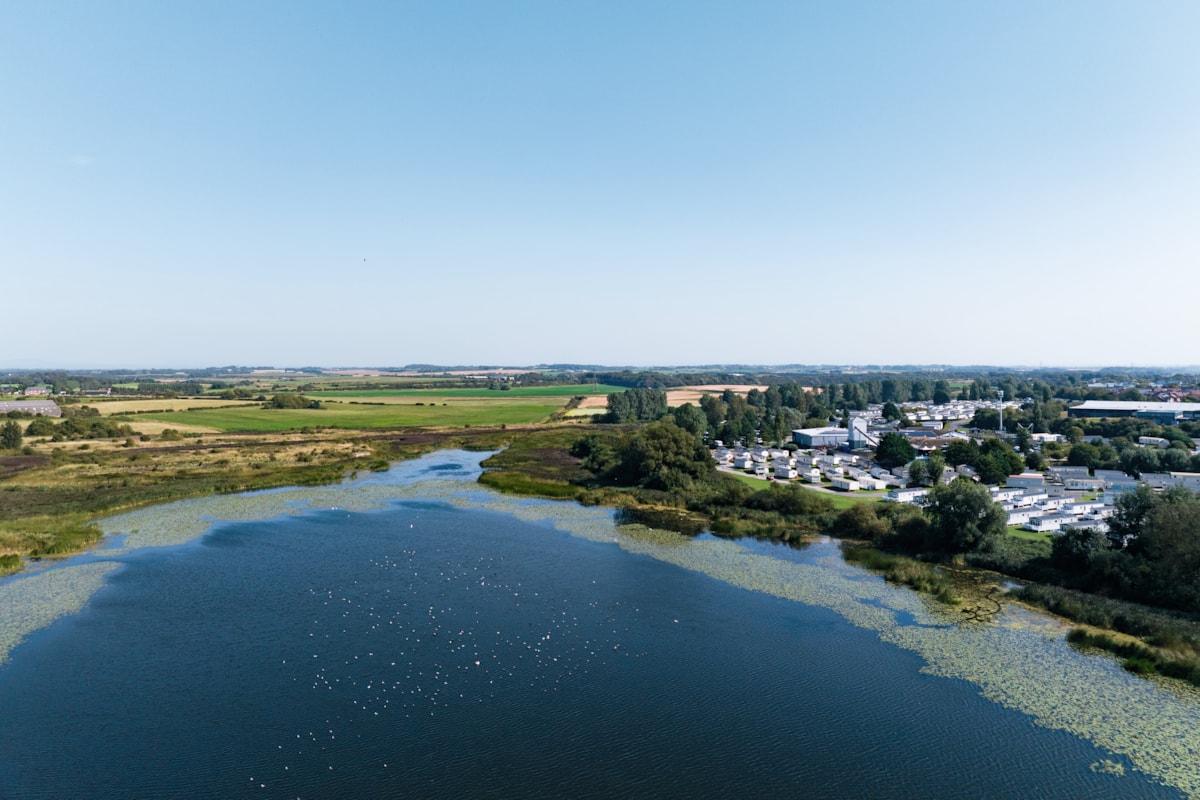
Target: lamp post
column 1001, row 393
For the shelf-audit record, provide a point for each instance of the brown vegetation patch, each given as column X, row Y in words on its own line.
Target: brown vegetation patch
column 692, row 394
column 14, row 464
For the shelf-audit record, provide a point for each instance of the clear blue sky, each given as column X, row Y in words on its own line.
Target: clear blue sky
column 293, row 183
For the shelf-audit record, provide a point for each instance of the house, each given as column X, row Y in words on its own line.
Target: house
column 761, row 470
column 1063, row 473
column 743, row 462
column 845, row 484
column 1153, row 441
column 1029, row 497
column 1026, row 480
column 1191, row 480
column 1020, row 516
column 1049, row 523
column 1005, row 495
column 1158, row 480
column 785, row 472
column 37, row 391
column 1098, row 525
column 1116, row 479
column 906, row 495
column 1084, row 508
column 1084, row 484
column 812, row 475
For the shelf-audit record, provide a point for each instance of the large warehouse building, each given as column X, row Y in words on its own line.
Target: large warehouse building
column 820, row 437
column 1162, row 413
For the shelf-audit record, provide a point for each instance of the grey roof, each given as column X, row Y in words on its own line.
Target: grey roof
column 46, row 408
column 1136, row 405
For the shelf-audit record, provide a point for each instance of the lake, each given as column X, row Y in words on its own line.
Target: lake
column 409, row 634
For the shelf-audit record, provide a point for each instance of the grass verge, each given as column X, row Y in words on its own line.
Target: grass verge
column 902, row 570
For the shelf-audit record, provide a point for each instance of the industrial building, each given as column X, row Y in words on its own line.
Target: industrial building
column 1161, row 413
column 821, row 437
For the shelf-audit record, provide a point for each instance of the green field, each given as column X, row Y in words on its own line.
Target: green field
column 501, row 410
column 1030, row 536
column 839, row 500
column 571, row 390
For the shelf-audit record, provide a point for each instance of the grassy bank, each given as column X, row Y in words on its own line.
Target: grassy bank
column 902, row 570
column 47, row 506
column 1140, row 658
column 1149, row 640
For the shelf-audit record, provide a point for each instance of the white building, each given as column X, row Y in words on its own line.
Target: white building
column 906, row 495
column 785, row 472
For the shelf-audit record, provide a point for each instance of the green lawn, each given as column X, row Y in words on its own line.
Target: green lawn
column 1018, row 532
column 496, row 411
column 839, row 499
column 570, row 390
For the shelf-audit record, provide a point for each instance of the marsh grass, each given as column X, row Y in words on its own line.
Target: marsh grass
column 902, row 570
column 1139, row 657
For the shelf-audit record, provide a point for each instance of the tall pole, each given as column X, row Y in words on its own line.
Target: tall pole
column 1001, row 393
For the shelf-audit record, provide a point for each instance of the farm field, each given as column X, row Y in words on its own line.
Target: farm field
column 676, row 396
column 438, row 410
column 111, row 408
column 572, row 390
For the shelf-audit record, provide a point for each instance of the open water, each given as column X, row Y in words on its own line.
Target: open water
column 449, row 643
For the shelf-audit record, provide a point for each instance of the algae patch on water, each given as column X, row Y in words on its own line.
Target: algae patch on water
column 33, row 601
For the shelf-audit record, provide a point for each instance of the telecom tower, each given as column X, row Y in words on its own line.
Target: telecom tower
column 1001, row 393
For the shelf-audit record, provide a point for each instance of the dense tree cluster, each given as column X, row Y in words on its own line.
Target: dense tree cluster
column 993, row 461
column 291, row 400
column 657, row 456
column 84, row 426
column 636, row 405
column 894, row 450
column 1151, row 553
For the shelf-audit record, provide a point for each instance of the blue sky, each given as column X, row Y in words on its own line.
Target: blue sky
column 189, row 184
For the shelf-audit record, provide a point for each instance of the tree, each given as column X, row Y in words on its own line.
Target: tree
column 664, row 456
column 986, row 419
column 691, row 419
column 1132, row 510
column 962, row 451
column 935, row 465
column 292, row 400
column 636, row 405
column 941, row 392
column 10, row 436
column 1003, row 455
column 894, row 450
column 1170, row 542
column 963, row 517
column 891, row 411
column 1076, row 549
column 1084, row 455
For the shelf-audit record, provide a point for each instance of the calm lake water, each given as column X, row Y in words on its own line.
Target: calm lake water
column 453, row 644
